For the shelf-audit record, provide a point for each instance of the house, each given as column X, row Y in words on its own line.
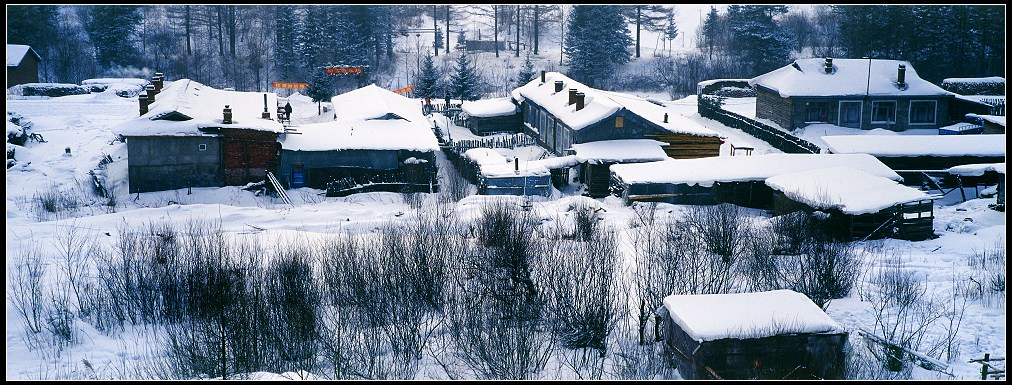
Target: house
column 857, row 93
column 496, row 174
column 22, row 65
column 492, row 116
column 860, row 205
column 779, row 334
column 731, row 179
column 561, row 112
column 596, row 159
column 380, row 141
column 914, row 155
column 192, row 135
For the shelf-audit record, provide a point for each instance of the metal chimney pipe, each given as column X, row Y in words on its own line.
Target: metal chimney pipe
column 265, row 114
column 665, row 117
column 901, row 75
column 829, row 65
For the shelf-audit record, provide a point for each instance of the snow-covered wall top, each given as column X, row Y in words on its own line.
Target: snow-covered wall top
column 376, row 134
column 490, row 107
column 849, row 77
column 917, row 145
column 996, row 119
column 492, row 164
column 851, row 191
column 599, row 105
column 201, row 106
column 623, row 150
column 372, row 101
column 977, row 169
column 705, row 171
column 16, row 53
column 709, row 317
column 990, row 79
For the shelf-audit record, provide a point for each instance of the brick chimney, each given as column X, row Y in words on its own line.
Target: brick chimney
column 558, row 86
column 158, row 81
column 901, row 75
column 226, row 115
column 266, row 114
column 579, row 100
column 142, row 101
column 572, row 96
column 829, row 65
column 150, row 88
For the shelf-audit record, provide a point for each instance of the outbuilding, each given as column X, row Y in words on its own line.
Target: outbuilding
column 22, row 65
column 778, row 334
column 492, row 116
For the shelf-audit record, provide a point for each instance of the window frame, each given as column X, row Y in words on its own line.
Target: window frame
column 873, row 110
column 816, row 106
column 860, row 113
column 934, row 112
column 201, row 146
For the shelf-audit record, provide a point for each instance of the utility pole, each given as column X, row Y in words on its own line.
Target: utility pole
column 518, row 30
column 435, row 46
column 447, row 29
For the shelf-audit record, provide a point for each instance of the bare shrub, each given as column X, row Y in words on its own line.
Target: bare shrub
column 453, row 186
column 54, row 202
column 24, row 287
column 76, row 258
column 989, row 281
column 722, row 228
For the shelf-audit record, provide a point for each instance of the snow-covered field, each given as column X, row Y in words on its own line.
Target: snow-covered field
column 78, row 136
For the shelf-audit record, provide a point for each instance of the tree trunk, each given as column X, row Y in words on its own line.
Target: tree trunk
column 638, row 8
column 495, row 27
column 435, row 46
column 221, row 42
column 536, row 22
column 447, row 29
column 189, row 48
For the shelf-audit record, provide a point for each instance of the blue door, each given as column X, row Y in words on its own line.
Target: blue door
column 298, row 176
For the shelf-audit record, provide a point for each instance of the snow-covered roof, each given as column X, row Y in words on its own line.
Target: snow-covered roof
column 960, row 127
column 599, row 105
column 705, row 171
column 709, row 317
column 996, row 119
column 977, row 169
column 622, row 151
column 851, row 191
column 16, row 53
column 492, row 164
column 373, row 102
column 376, row 134
column 989, row 79
column 184, row 107
column 849, row 77
column 705, row 83
column 917, row 145
column 490, row 107
column 134, row 81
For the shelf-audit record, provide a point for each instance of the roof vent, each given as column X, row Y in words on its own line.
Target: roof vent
column 829, row 65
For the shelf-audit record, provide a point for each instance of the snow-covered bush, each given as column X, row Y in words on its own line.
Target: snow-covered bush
column 735, row 92
column 52, row 90
column 994, row 85
column 123, row 87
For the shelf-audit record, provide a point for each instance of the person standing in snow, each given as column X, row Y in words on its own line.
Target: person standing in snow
column 288, row 111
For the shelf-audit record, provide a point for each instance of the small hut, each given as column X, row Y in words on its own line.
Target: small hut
column 496, row 174
column 778, row 334
column 860, row 205
column 492, row 116
column 985, row 174
column 596, row 159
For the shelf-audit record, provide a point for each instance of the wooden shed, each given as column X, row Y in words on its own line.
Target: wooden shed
column 860, row 205
column 22, row 65
column 596, row 159
column 982, row 174
column 771, row 335
column 494, row 174
column 492, row 116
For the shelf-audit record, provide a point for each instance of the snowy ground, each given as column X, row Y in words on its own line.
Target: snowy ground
column 82, row 124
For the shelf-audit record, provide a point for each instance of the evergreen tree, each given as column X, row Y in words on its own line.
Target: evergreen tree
column 113, row 31
column 438, row 43
column 711, row 29
column 650, row 17
column 596, row 42
column 316, row 37
column 320, row 88
column 285, row 58
column 464, row 82
column 757, row 38
column 427, row 83
column 526, row 72
column 670, row 31
column 33, row 25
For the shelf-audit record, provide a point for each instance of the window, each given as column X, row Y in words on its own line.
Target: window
column 850, row 114
column 817, row 112
column 922, row 112
column 202, row 147
column 619, row 121
column 883, row 112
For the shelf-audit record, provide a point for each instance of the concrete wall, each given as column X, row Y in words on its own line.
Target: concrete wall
column 172, row 162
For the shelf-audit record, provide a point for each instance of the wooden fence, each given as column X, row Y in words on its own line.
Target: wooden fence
column 780, row 139
column 511, row 142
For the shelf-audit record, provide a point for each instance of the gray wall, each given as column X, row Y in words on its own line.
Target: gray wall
column 160, row 163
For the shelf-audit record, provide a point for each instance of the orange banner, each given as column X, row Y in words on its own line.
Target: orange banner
column 405, row 90
column 289, row 85
column 344, row 70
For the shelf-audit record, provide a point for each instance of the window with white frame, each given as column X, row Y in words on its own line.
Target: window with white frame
column 850, row 114
column 883, row 112
column 922, row 112
column 201, row 147
column 816, row 112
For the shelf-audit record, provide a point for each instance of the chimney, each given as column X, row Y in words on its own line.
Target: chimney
column 142, row 100
column 579, row 100
column 558, row 86
column 572, row 96
column 829, row 65
column 159, row 81
column 901, row 75
column 516, row 165
column 227, row 115
column 266, row 114
column 150, row 88
column 542, row 77
column 665, row 117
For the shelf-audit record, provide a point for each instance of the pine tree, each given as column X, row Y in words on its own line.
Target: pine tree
column 464, row 82
column 320, row 88
column 596, row 42
column 526, row 72
column 33, row 25
column 284, row 41
column 711, row 29
column 113, row 31
column 670, row 31
column 757, row 38
column 427, row 83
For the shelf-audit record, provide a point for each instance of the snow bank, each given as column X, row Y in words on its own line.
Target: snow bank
column 490, row 108
column 708, row 317
column 917, row 145
column 705, row 171
column 850, row 77
column 851, row 191
column 622, row 151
